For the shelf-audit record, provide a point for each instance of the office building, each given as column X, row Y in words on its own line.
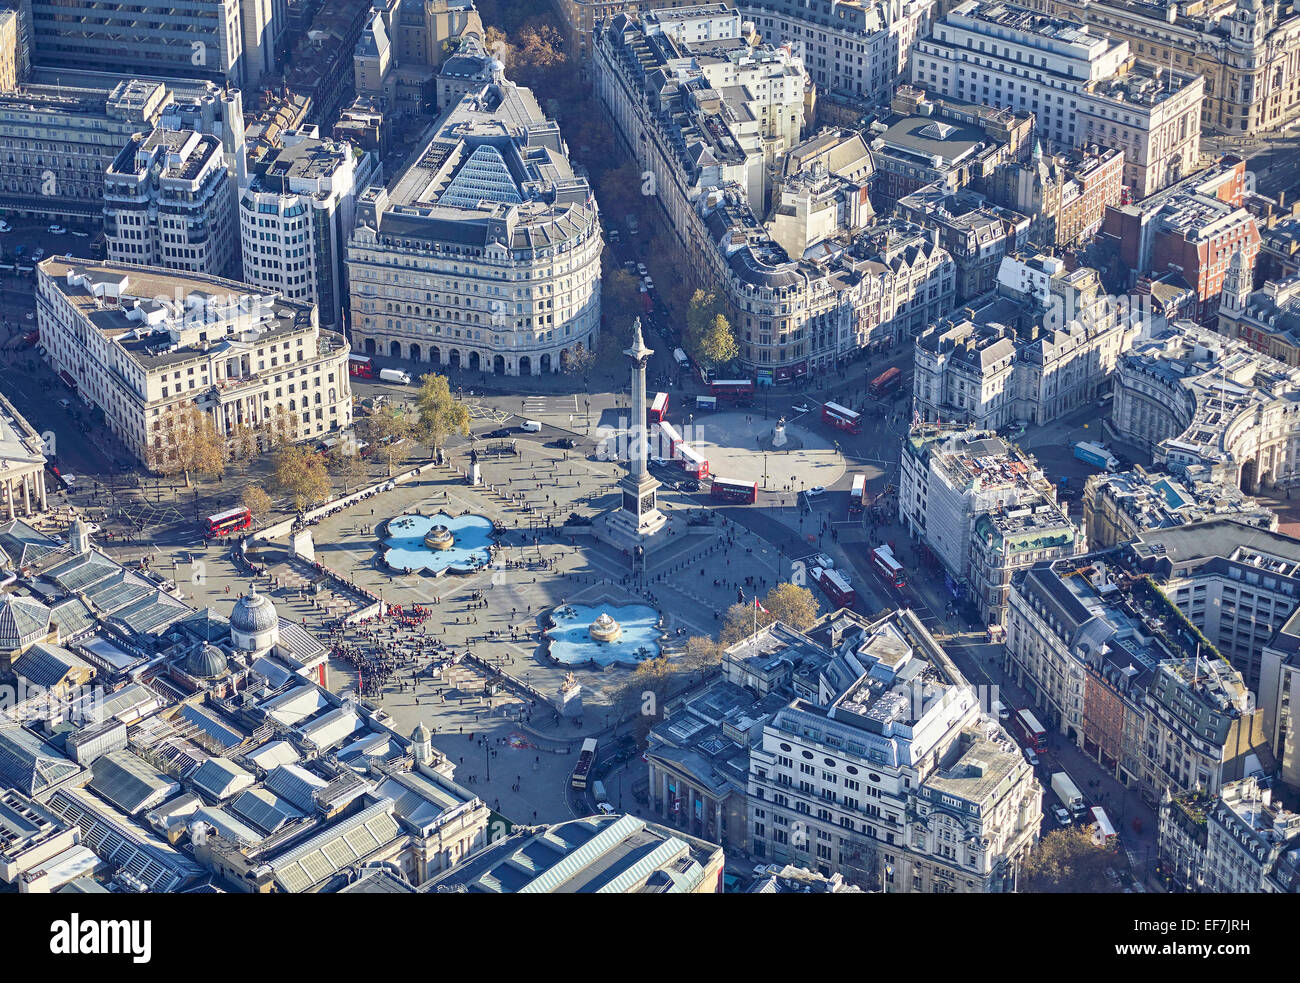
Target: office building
column 892, row 776
column 1118, row 507
column 169, row 201
column 1065, row 195
column 927, row 139
column 1268, row 319
column 295, row 216
column 1047, row 343
column 403, row 44
column 142, row 343
column 1192, row 397
column 981, row 507
column 855, row 51
column 223, row 41
column 1237, row 584
column 485, row 253
column 1248, row 51
column 1082, row 86
column 975, row 233
column 84, row 120
column 1112, row 665
column 1240, row 841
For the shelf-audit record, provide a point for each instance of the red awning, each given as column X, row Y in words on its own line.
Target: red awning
column 71, row 382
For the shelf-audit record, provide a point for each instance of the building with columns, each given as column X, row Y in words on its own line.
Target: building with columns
column 1192, row 397
column 22, row 464
column 144, row 344
column 485, row 253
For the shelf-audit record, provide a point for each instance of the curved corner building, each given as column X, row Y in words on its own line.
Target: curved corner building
column 485, row 254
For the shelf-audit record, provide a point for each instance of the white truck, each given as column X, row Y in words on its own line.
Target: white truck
column 1067, row 792
column 395, row 375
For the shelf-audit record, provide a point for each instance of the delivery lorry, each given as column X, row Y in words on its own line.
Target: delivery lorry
column 395, row 375
column 1096, row 455
column 1067, row 792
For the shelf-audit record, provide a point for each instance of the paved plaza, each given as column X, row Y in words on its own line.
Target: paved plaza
column 690, row 582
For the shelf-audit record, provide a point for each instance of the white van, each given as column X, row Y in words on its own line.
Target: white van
column 531, row 426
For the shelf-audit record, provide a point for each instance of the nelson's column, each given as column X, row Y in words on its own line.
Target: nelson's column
column 634, row 523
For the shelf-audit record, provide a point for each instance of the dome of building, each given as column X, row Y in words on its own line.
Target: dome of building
column 253, row 613
column 206, row 662
column 421, row 733
column 23, row 620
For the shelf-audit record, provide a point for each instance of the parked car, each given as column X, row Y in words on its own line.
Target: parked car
column 564, row 443
column 38, row 255
column 1031, row 756
column 500, row 432
column 56, row 230
column 5, row 226
column 649, row 283
column 641, row 269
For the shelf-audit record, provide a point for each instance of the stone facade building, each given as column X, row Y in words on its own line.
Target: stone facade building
column 1084, row 636
column 1248, row 51
column 1118, row 507
column 1194, row 398
column 143, row 344
column 854, row 50
column 892, row 774
column 1083, row 87
column 485, row 253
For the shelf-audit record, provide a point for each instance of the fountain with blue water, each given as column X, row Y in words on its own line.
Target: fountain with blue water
column 604, row 633
column 439, row 542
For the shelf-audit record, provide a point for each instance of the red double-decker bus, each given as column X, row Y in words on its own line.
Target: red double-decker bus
column 658, row 409
column 857, row 495
column 835, row 586
column 888, row 565
column 692, row 463
column 1034, row 734
column 225, row 523
column 732, row 389
column 729, row 490
column 669, row 440
column 361, row 367
column 886, row 382
column 842, row 418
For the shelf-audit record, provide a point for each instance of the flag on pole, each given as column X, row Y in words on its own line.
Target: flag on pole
column 760, row 607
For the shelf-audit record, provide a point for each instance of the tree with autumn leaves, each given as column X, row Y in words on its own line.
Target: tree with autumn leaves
column 186, row 443
column 787, row 603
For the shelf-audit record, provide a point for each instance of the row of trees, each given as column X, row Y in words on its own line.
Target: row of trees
column 189, row 444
